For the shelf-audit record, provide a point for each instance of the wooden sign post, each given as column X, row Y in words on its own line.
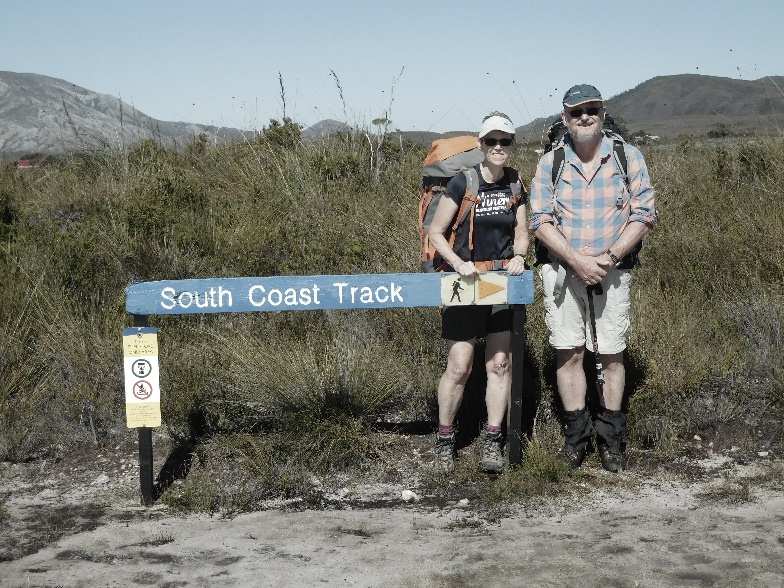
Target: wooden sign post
column 294, row 293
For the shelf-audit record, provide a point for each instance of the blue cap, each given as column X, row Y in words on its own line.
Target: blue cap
column 580, row 94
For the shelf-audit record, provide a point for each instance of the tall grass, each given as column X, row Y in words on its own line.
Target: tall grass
column 706, row 345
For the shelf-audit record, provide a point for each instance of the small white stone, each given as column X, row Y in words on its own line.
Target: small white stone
column 100, row 480
column 697, row 438
column 408, row 496
column 463, row 502
column 763, row 453
column 734, row 448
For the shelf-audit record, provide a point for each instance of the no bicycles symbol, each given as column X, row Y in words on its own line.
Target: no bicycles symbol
column 142, row 390
column 141, row 368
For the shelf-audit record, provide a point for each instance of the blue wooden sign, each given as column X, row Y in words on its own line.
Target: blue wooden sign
column 279, row 293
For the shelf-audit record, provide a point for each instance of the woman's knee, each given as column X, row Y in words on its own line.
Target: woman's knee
column 499, row 365
column 458, row 370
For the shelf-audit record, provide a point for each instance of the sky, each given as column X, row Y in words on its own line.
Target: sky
column 430, row 65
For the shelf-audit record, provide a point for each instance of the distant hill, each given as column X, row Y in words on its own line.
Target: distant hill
column 330, row 126
column 41, row 114
column 693, row 104
column 324, row 128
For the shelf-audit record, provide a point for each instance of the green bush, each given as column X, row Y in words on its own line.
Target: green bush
column 73, row 234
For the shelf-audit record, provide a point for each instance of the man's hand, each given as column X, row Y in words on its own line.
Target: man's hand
column 516, row 265
column 466, row 269
column 588, row 269
column 605, row 261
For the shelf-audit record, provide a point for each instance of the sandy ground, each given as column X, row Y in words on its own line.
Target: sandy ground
column 74, row 525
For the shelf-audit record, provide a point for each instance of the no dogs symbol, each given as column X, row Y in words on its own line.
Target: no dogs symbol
column 141, row 368
column 142, row 389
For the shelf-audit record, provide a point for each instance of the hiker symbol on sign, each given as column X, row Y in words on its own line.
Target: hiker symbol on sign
column 456, row 288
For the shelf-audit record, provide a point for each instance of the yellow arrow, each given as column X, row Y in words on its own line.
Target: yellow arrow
column 488, row 288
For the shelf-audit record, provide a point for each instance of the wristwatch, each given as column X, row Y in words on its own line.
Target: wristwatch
column 614, row 258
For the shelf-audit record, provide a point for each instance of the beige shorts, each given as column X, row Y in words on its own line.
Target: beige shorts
column 568, row 318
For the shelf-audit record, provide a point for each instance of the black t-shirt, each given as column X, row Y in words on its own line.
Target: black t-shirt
column 495, row 220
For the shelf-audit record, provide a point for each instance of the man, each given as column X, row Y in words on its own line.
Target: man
column 590, row 222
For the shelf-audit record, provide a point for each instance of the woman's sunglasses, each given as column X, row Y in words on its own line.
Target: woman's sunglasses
column 578, row 112
column 493, row 142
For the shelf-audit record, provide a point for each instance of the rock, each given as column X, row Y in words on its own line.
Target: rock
column 101, row 480
column 463, row 502
column 763, row 453
column 697, row 438
column 734, row 448
column 409, row 496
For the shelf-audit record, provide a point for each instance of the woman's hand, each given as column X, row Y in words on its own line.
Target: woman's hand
column 516, row 265
column 465, row 268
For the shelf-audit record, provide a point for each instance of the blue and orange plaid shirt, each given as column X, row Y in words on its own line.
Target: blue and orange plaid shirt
column 592, row 207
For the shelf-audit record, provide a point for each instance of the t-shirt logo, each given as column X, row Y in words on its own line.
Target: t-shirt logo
column 493, row 203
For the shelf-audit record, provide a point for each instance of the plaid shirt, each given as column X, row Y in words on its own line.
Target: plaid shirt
column 591, row 208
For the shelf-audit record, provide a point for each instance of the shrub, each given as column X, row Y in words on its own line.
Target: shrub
column 704, row 344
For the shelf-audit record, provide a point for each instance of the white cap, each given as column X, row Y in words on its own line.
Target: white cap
column 496, row 123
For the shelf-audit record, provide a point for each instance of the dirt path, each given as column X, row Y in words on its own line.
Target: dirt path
column 660, row 533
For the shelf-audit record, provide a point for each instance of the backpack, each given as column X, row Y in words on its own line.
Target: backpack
column 553, row 140
column 446, row 159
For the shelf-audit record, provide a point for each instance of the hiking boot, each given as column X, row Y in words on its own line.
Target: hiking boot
column 573, row 456
column 612, row 459
column 492, row 456
column 577, row 435
column 444, row 452
column 611, row 438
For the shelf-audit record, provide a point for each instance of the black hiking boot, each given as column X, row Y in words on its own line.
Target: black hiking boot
column 611, row 439
column 577, row 435
column 492, row 457
column 444, row 452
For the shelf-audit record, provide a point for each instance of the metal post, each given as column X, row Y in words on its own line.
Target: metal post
column 145, row 442
column 514, row 426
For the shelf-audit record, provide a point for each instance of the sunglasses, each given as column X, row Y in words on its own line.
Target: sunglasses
column 493, row 142
column 578, row 112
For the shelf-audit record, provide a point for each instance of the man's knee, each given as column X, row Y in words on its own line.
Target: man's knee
column 570, row 359
column 612, row 361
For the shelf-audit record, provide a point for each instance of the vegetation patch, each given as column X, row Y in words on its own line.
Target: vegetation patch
column 272, row 401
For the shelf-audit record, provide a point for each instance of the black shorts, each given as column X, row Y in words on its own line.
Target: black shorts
column 463, row 323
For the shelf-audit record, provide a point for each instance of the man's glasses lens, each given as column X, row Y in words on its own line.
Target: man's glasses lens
column 494, row 142
column 578, row 112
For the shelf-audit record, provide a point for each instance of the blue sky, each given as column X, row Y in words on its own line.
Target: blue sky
column 217, row 62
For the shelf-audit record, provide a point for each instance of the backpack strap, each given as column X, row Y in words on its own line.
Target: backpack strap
column 518, row 190
column 619, row 154
column 559, row 163
column 467, row 206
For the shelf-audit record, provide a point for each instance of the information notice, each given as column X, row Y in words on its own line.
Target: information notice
column 142, row 388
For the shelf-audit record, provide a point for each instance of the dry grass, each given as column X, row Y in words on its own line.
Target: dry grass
column 706, row 345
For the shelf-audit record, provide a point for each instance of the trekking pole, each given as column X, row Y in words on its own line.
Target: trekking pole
column 596, row 289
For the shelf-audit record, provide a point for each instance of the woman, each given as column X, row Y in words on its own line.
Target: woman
column 498, row 232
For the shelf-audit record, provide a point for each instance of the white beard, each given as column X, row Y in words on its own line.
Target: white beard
column 586, row 134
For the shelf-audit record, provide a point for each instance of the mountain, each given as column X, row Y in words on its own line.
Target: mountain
column 693, row 104
column 41, row 114
column 325, row 127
